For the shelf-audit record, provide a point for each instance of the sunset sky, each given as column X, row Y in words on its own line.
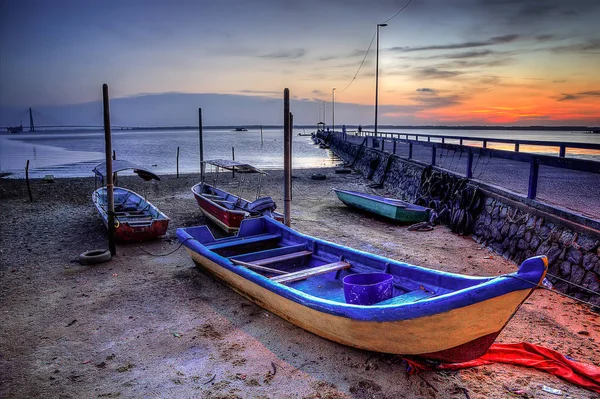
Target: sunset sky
column 522, row 62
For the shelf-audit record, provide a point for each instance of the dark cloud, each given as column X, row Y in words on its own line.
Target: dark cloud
column 435, row 73
column 247, row 91
column 590, row 46
column 577, row 96
column 462, row 64
column 426, row 90
column 432, row 102
column 287, row 54
column 317, row 92
column 470, row 54
column 494, row 40
column 545, row 38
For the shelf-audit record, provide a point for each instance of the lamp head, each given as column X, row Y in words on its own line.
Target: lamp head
column 382, row 25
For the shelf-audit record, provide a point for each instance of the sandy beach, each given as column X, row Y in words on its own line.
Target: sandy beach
column 150, row 326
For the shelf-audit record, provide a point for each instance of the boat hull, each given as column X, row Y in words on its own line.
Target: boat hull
column 396, row 210
column 135, row 218
column 455, row 336
column 227, row 219
column 450, row 328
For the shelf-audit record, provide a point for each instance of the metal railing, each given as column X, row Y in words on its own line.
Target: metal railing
column 534, row 160
column 562, row 145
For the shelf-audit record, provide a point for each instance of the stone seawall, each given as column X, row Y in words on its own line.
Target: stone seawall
column 509, row 224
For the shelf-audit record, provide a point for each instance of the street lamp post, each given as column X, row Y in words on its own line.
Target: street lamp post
column 324, row 113
column 377, row 76
column 333, row 108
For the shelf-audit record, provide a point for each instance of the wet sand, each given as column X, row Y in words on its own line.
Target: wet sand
column 143, row 326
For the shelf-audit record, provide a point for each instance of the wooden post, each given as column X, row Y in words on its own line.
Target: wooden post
column 484, row 143
column 31, row 125
column 290, row 142
column 563, row 151
column 109, row 176
column 114, row 157
column 433, row 154
column 261, row 136
column 470, row 164
column 233, row 159
column 516, row 146
column 178, row 162
column 287, row 184
column 200, row 142
column 533, row 178
column 410, row 150
column 27, row 179
column 461, row 141
column 394, row 147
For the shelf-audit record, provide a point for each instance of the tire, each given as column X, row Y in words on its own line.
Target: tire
column 318, row 176
column 343, row 171
column 94, row 256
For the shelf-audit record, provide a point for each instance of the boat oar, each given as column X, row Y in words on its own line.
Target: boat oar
column 257, row 267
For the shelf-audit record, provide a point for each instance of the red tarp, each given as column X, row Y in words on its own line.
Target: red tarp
column 527, row 355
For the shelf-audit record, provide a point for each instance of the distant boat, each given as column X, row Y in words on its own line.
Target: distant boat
column 228, row 210
column 390, row 208
column 240, row 129
column 15, row 129
column 136, row 219
column 360, row 299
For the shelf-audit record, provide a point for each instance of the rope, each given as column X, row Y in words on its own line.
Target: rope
column 168, row 253
column 554, row 291
column 573, row 284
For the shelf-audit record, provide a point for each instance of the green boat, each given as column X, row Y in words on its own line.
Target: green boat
column 400, row 211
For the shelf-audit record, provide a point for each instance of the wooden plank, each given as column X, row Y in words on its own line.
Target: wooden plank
column 412, row 296
column 257, row 267
column 315, row 271
column 280, row 258
column 242, row 241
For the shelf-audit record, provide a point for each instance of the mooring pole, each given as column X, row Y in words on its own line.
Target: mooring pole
column 109, row 176
column 201, row 144
column 233, row 159
column 31, row 125
column 261, row 136
column 178, row 162
column 290, row 142
column 287, row 159
column 27, row 179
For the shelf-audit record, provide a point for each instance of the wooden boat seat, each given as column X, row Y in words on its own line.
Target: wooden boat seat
column 243, row 241
column 280, row 258
column 411, row 296
column 314, row 271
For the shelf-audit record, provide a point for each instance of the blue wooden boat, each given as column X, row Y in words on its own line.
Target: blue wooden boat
column 400, row 211
column 428, row 313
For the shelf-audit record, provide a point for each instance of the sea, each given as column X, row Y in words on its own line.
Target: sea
column 75, row 152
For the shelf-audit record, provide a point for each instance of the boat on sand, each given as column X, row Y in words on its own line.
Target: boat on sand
column 136, row 219
column 391, row 208
column 361, row 299
column 227, row 210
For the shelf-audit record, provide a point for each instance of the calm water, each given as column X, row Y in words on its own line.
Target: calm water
column 74, row 153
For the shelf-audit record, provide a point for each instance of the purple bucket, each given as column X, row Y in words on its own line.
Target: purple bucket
column 367, row 288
